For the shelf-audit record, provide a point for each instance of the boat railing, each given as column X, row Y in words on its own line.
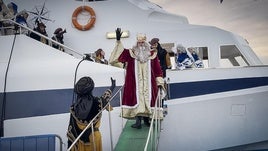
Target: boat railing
column 155, row 126
column 91, row 123
column 18, row 28
column 35, row 142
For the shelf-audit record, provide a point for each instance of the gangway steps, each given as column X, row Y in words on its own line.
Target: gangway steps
column 132, row 139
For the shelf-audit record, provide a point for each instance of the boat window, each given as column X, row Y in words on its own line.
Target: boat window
column 192, row 57
column 199, row 55
column 231, row 56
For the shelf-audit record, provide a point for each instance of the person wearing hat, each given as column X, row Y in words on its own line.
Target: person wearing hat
column 143, row 76
column 183, row 60
column 58, row 36
column 192, row 53
column 100, row 56
column 85, row 108
column 8, row 11
column 162, row 55
column 21, row 18
column 13, row 8
column 187, row 58
column 41, row 28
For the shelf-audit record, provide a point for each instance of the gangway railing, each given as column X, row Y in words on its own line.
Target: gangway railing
column 155, row 126
column 91, row 123
column 32, row 143
column 20, row 26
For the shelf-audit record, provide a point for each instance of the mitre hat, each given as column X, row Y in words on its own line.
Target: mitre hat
column 141, row 37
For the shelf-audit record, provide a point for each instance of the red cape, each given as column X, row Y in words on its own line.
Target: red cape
column 129, row 94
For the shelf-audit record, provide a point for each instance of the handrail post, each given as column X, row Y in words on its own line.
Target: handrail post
column 93, row 138
column 61, row 142
column 110, row 123
column 155, row 127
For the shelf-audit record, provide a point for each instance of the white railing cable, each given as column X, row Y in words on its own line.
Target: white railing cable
column 91, row 122
column 156, row 117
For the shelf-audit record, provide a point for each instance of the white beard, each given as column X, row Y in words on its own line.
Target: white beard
column 142, row 54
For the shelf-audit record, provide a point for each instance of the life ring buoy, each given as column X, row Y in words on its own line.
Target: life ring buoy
column 77, row 11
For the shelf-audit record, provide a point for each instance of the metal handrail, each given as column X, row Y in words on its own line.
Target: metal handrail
column 91, row 122
column 155, row 117
column 73, row 52
column 60, row 139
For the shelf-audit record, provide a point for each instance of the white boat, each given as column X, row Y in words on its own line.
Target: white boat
column 221, row 106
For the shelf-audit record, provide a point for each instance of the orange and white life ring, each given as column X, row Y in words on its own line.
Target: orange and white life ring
column 77, row 11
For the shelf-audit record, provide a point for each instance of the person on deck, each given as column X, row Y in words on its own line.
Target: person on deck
column 41, row 28
column 8, row 11
column 143, row 76
column 187, row 58
column 58, row 36
column 162, row 55
column 100, row 56
column 21, row 18
column 83, row 111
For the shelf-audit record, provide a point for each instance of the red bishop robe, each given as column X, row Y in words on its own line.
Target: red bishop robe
column 141, row 80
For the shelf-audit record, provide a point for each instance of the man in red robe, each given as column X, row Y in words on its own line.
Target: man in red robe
column 143, row 76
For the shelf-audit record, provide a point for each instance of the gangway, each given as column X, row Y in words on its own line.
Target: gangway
column 132, row 139
column 146, row 138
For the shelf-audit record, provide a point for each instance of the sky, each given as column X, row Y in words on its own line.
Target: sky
column 247, row 18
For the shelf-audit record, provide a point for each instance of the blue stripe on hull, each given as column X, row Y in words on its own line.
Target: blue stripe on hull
column 187, row 89
column 44, row 102
column 47, row 102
